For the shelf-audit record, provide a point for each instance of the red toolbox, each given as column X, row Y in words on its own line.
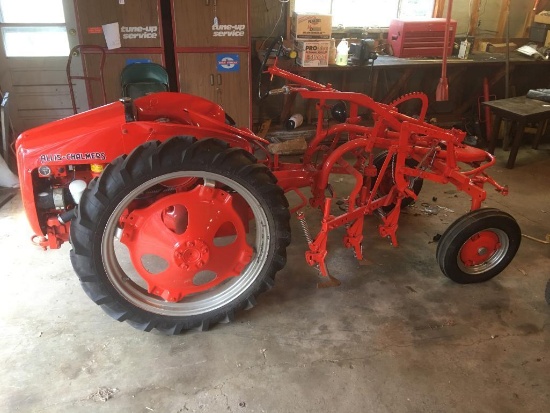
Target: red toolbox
column 420, row 38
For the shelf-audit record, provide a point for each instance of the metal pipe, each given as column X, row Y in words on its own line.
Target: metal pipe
column 507, row 72
column 442, row 92
column 486, row 97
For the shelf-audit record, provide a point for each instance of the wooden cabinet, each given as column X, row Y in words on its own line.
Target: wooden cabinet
column 199, row 74
column 195, row 23
column 139, row 21
column 212, row 45
column 141, row 39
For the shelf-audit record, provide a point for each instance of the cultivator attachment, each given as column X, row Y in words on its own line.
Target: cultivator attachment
column 384, row 183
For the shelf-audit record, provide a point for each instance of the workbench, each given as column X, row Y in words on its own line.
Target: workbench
column 390, row 77
column 520, row 111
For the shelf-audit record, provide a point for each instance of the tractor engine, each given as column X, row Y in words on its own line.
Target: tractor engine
column 58, row 190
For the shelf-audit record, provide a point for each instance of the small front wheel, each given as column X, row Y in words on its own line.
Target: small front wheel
column 478, row 246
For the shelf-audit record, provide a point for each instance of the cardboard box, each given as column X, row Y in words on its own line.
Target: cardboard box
column 312, row 53
column 500, row 47
column 543, row 17
column 311, row 26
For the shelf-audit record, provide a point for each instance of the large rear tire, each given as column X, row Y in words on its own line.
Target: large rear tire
column 478, row 246
column 180, row 235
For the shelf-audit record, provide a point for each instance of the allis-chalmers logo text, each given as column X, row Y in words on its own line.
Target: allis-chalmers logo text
column 87, row 156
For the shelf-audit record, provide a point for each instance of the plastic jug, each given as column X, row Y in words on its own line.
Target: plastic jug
column 294, row 121
column 342, row 53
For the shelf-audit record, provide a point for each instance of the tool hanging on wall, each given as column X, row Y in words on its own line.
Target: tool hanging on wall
column 442, row 91
column 216, row 13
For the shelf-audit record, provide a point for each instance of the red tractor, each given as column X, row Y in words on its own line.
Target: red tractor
column 177, row 218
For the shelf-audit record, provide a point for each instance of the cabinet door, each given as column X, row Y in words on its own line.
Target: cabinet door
column 138, row 20
column 199, row 75
column 194, row 23
column 233, row 90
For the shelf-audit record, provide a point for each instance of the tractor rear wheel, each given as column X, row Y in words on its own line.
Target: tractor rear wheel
column 179, row 235
column 478, row 245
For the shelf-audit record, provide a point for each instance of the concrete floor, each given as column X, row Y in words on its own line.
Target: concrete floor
column 396, row 336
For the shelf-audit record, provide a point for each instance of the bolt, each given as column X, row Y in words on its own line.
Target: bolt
column 482, row 251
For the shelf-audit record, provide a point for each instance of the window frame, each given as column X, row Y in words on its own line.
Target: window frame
column 373, row 28
column 29, row 25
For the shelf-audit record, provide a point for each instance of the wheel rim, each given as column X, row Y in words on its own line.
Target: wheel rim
column 483, row 251
column 245, row 255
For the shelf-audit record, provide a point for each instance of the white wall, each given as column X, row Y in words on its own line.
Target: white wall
column 489, row 16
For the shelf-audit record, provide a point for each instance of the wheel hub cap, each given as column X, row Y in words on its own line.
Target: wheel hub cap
column 194, row 254
column 483, row 251
column 180, row 234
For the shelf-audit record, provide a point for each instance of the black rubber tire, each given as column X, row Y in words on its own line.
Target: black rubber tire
column 151, row 161
column 278, row 40
column 378, row 161
column 450, row 245
column 547, row 292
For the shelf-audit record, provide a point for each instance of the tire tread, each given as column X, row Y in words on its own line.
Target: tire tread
column 130, row 171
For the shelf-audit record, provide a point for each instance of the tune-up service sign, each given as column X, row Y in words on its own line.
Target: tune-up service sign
column 228, row 62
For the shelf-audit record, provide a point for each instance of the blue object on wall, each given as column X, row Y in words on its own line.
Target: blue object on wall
column 132, row 61
column 228, row 62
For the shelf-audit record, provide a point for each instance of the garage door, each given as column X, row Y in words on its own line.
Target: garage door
column 35, row 39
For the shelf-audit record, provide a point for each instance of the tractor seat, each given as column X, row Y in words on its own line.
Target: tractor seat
column 140, row 79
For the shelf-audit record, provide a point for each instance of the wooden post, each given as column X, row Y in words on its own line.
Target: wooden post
column 474, row 17
column 439, row 6
column 503, row 18
column 529, row 19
